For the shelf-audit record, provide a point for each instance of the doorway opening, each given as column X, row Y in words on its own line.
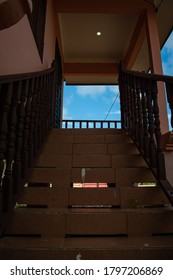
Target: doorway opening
column 91, row 102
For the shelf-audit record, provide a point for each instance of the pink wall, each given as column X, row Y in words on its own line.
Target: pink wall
column 18, row 51
column 168, row 162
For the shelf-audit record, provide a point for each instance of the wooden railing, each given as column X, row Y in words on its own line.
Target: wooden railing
column 25, row 120
column 140, row 116
column 91, row 124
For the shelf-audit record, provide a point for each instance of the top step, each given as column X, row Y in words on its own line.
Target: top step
column 88, row 131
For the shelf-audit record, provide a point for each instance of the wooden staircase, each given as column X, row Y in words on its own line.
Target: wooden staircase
column 53, row 220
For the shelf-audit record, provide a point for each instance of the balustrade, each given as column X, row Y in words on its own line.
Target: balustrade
column 25, row 119
column 140, row 111
column 90, row 124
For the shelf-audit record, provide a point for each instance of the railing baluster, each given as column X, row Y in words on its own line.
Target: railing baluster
column 151, row 125
column 4, row 106
column 31, row 128
column 142, row 89
column 17, row 167
column 7, row 130
column 145, row 123
column 25, row 154
column 20, row 118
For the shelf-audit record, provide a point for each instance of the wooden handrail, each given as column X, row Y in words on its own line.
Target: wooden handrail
column 150, row 76
column 19, row 77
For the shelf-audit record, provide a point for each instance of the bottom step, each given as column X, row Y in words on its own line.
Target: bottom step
column 101, row 248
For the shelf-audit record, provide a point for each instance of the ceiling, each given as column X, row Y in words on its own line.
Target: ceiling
column 91, row 59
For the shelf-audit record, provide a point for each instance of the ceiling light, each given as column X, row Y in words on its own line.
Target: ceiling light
column 99, row 33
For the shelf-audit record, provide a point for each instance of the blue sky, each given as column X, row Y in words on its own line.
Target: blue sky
column 94, row 102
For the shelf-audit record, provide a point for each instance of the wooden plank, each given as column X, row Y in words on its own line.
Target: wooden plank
column 96, row 196
column 99, row 223
column 102, row 161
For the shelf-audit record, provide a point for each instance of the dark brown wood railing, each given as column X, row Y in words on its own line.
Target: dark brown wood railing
column 91, row 124
column 26, row 102
column 140, row 116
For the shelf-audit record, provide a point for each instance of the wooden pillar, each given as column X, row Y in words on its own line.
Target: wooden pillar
column 156, row 63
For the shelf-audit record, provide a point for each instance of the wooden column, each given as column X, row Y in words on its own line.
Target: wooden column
column 156, row 63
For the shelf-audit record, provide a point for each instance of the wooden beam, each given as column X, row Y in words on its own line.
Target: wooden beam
column 136, row 43
column 156, row 63
column 153, row 42
column 90, row 69
column 59, row 39
column 97, row 6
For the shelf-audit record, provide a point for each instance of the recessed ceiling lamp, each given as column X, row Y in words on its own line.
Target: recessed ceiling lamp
column 99, row 33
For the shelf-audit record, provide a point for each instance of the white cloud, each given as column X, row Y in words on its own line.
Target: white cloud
column 114, row 89
column 66, row 115
column 92, row 91
column 169, row 44
column 95, row 91
column 117, row 112
column 69, row 99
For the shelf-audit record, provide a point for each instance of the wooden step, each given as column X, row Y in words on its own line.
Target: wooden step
column 128, row 176
column 95, row 223
column 89, row 149
column 101, row 175
column 89, row 138
column 55, row 138
column 91, row 221
column 51, row 197
column 122, row 148
column 58, row 148
column 53, row 160
column 134, row 197
column 59, row 177
column 144, row 222
column 124, row 197
column 36, row 222
column 129, row 160
column 117, row 138
column 94, row 196
column 92, row 131
column 102, row 161
column 108, row 248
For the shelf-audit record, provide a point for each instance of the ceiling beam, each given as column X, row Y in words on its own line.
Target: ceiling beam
column 136, row 42
column 97, row 6
column 90, row 69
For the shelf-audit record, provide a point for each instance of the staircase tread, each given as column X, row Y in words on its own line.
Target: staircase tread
column 95, row 210
column 31, row 242
column 144, row 242
column 118, row 242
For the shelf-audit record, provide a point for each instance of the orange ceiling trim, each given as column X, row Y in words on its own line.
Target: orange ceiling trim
column 153, row 42
column 90, row 69
column 136, row 42
column 97, row 6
